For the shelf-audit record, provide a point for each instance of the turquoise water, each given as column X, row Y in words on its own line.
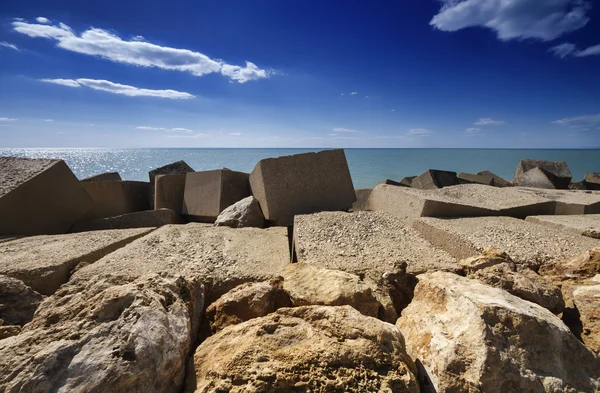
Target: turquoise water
column 367, row 166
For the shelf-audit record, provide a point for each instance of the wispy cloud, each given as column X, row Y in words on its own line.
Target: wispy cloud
column 579, row 122
column 473, row 131
column 148, row 128
column 187, row 136
column 235, row 134
column 180, row 129
column 9, row 45
column 7, row 119
column 42, row 20
column 117, row 88
column 419, row 132
column 354, row 93
column 49, row 120
column 570, row 50
column 486, row 121
column 591, row 51
column 516, row 19
column 137, row 52
column 346, row 130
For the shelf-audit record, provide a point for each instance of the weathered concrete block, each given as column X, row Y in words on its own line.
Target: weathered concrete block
column 104, row 177
column 175, row 168
column 407, row 181
column 362, row 195
column 114, row 198
column 469, row 178
column 301, row 184
column 498, row 181
column 392, row 183
column 556, row 171
column 433, row 179
column 39, row 196
column 143, row 219
column 208, row 193
column 586, row 225
column 569, row 201
column 169, row 191
column 537, row 178
column 592, row 180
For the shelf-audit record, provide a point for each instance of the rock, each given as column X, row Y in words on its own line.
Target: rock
column 407, row 181
column 208, row 193
column 309, row 285
column 498, row 181
column 106, row 335
column 106, row 176
column 469, row 178
column 9, row 331
column 582, row 266
column 555, row 172
column 470, row 337
column 245, row 302
column 39, row 196
column 301, row 184
column 488, row 258
column 44, row 263
column 592, row 180
column 316, row 348
column 145, row 219
column 528, row 244
column 245, row 213
column 465, row 200
column 579, row 185
column 586, row 225
column 220, row 257
column 18, row 302
column 432, row 179
column 115, row 198
column 569, row 201
column 587, row 302
column 362, row 194
column 400, row 287
column 175, row 168
column 169, row 191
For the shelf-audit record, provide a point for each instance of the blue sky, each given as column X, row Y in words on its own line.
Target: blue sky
column 272, row 73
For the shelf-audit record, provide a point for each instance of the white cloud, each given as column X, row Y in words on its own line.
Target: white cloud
column 563, row 50
column 138, row 38
column 354, row 93
column 104, row 44
column 367, row 97
column 473, row 131
column 579, row 122
column 117, row 88
column 7, row 119
column 48, row 120
column 544, row 20
column 419, row 132
column 186, row 136
column 235, row 134
column 42, row 20
column 9, row 45
column 150, row 128
column 180, row 129
column 486, row 121
column 591, row 51
column 340, row 129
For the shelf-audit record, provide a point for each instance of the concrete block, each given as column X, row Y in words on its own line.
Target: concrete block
column 104, row 177
column 39, row 196
column 469, row 178
column 569, row 201
column 592, row 180
column 208, row 193
column 498, row 181
column 114, row 198
column 433, row 178
column 407, row 181
column 362, row 195
column 557, row 171
column 175, row 168
column 586, row 224
column 537, row 178
column 169, row 191
column 143, row 219
column 301, row 184
column 392, row 183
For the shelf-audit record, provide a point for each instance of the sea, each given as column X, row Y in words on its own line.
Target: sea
column 367, row 166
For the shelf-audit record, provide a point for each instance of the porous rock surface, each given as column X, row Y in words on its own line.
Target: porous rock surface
column 470, row 337
column 312, row 348
column 18, row 302
column 583, row 224
column 568, row 202
column 587, row 301
column 242, row 214
column 106, row 335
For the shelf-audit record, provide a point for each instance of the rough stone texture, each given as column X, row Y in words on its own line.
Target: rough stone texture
column 557, row 171
column 578, row 185
column 587, row 302
column 432, row 179
column 175, row 168
column 18, row 302
column 498, row 181
column 580, row 267
column 365, row 243
column 107, row 176
column 220, row 257
column 169, row 191
column 529, row 244
column 7, row 331
column 468, row 178
column 44, row 263
column 309, row 285
column 39, row 196
column 470, row 337
column 586, row 225
column 245, row 302
column 362, row 194
column 407, row 181
column 106, row 335
column 537, row 178
column 145, row 219
column 592, row 180
column 115, row 198
column 302, row 184
column 569, row 201
column 391, row 182
column 316, row 349
column 465, row 200
column 488, row 258
column 208, row 193
column 245, row 213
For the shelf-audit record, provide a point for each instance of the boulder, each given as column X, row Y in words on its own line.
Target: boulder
column 498, row 181
column 107, row 335
column 432, row 179
column 587, row 301
column 555, row 172
column 362, row 194
column 208, row 193
column 568, row 202
column 469, row 178
column 39, row 196
column 175, row 168
column 579, row 267
column 114, row 198
column 315, row 348
column 245, row 213
column 592, row 180
column 488, row 258
column 44, row 263
column 301, row 184
column 144, row 219
column 584, row 224
column 169, row 191
column 309, row 285
column 106, row 176
column 470, row 337
column 245, row 302
column 18, row 302
column 578, row 185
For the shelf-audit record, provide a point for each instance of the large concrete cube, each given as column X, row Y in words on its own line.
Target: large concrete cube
column 104, row 177
column 498, row 181
column 592, row 180
column 114, row 198
column 432, row 179
column 39, row 196
column 302, row 184
column 168, row 192
column 208, row 193
column 537, row 178
column 469, row 178
column 556, row 171
column 175, row 168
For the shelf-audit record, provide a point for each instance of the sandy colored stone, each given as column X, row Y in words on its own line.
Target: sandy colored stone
column 107, row 176
column 174, row 168
column 18, row 302
column 557, row 172
column 468, row 178
column 370, row 243
column 498, row 181
column 488, row 258
column 582, row 266
column 527, row 243
column 587, row 302
column 583, row 224
column 145, row 219
column 244, row 213
column 45, row 262
column 470, row 337
column 362, row 194
column 107, row 335
column 7, row 331
column 169, row 191
column 116, row 197
column 569, row 201
column 314, row 348
column 432, row 179
column 220, row 257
